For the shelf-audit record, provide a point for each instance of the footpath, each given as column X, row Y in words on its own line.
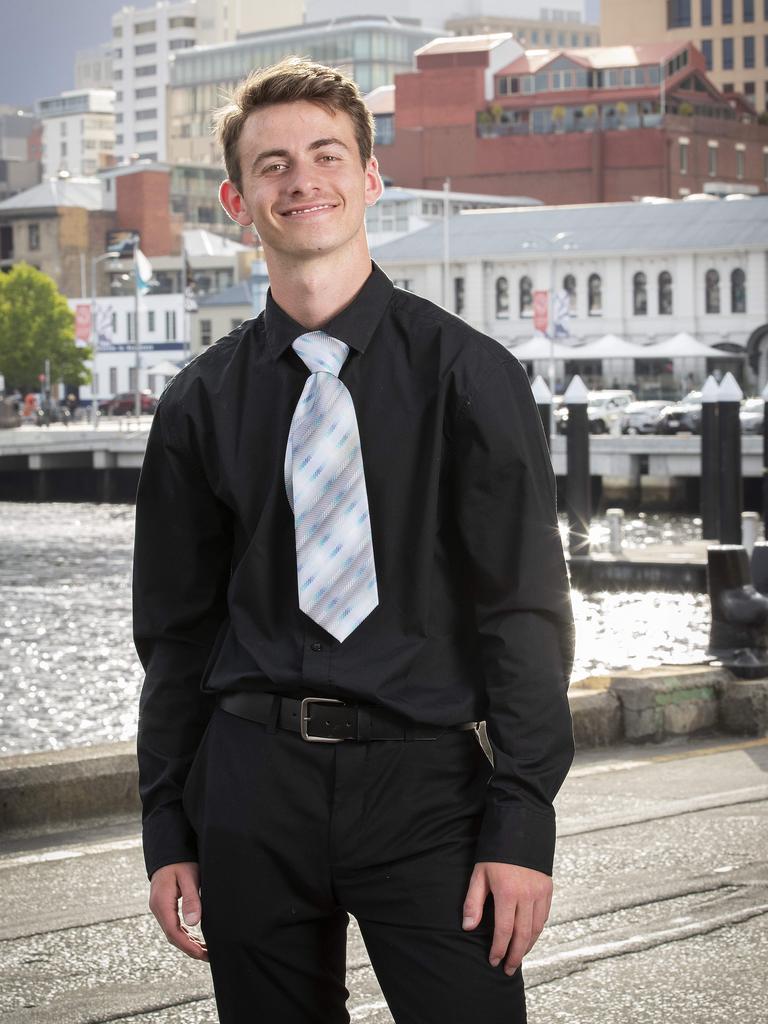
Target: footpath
column 661, row 875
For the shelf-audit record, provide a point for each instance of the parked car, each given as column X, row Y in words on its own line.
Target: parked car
column 752, row 416
column 604, row 408
column 641, row 417
column 681, row 417
column 124, row 404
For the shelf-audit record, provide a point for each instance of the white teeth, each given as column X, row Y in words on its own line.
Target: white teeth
column 296, row 213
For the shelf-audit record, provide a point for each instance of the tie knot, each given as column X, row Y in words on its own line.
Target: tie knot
column 321, row 352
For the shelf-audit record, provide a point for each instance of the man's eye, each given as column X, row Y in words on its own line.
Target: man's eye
column 328, row 156
column 273, row 167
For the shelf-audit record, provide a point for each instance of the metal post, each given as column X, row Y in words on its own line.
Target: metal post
column 446, row 244
column 764, row 396
column 729, row 433
column 750, row 530
column 578, row 482
column 136, row 349
column 615, row 518
column 543, row 398
column 710, row 462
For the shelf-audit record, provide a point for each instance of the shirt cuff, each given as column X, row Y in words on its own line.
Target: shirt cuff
column 514, row 834
column 168, row 839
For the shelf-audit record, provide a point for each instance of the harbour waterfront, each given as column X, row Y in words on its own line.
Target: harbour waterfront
column 69, row 674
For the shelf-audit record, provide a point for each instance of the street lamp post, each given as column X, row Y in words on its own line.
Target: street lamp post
column 110, row 255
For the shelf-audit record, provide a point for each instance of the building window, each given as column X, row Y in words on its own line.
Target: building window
column 143, row 27
column 151, row 321
column 727, row 12
column 181, row 23
column 727, row 54
column 706, row 12
column 146, row 93
column 144, row 49
column 150, row 114
column 678, row 13
column 683, row 157
column 129, row 325
column 738, row 291
column 151, row 69
column 569, row 285
column 525, row 297
column 749, row 10
column 706, row 49
column 170, row 325
column 33, row 236
column 712, row 291
column 458, row 295
column 740, row 163
column 749, row 51
column 206, row 333
column 132, row 382
column 639, row 294
column 181, row 44
column 711, row 159
column 665, row 293
column 595, row 293
column 502, row 298
column 113, row 380
column 146, row 136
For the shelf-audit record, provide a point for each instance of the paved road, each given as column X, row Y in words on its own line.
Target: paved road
column 660, row 915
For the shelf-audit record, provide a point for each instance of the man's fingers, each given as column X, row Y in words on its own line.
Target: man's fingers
column 190, row 897
column 504, row 916
column 474, row 901
column 521, row 937
column 540, row 915
column 168, row 884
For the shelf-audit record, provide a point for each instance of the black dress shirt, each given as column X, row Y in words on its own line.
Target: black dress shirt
column 474, row 620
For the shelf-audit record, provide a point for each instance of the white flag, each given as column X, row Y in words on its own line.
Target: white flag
column 143, row 270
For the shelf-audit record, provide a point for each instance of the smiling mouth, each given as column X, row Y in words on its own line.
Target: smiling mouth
column 309, row 209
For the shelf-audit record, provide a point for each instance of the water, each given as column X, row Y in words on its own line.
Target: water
column 69, row 674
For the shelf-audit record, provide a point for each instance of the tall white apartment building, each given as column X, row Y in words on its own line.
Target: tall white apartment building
column 143, row 40
column 93, row 67
column 78, row 131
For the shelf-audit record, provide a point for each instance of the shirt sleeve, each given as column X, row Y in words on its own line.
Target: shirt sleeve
column 506, row 508
column 181, row 567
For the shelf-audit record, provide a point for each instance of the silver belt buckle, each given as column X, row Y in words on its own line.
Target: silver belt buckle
column 305, row 719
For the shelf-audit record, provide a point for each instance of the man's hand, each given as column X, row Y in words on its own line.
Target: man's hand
column 167, row 885
column 521, row 901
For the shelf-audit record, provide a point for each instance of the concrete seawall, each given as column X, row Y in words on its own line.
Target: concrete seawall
column 61, row 789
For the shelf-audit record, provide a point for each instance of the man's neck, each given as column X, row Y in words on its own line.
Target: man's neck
column 312, row 292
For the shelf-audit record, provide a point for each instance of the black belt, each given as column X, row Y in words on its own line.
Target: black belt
column 324, row 720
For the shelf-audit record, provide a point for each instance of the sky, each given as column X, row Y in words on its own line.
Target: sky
column 39, row 39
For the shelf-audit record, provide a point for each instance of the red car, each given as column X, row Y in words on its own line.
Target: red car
column 124, row 404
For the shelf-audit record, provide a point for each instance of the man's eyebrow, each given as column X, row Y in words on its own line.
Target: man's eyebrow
column 317, row 144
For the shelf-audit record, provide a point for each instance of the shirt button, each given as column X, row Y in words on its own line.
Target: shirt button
column 316, row 646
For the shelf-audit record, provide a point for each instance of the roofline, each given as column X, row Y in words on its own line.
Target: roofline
column 541, row 255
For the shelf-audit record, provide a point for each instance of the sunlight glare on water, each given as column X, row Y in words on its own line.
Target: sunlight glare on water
column 69, row 674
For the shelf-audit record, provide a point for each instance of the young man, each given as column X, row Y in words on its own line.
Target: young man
column 347, row 554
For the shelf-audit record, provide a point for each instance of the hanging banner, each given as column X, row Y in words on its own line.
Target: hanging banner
column 540, row 311
column 82, row 324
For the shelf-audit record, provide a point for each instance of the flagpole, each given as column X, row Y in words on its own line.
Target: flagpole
column 137, row 350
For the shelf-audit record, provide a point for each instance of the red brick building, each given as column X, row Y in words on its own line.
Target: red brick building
column 603, row 124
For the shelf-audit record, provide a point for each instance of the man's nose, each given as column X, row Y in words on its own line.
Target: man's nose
column 303, row 178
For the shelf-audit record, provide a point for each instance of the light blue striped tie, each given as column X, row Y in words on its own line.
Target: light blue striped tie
column 325, row 484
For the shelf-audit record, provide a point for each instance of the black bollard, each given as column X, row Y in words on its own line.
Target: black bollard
column 738, row 634
column 710, row 461
column 543, row 397
column 729, row 449
column 759, row 566
column 765, row 465
column 578, row 483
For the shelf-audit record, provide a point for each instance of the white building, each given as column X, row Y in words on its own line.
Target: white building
column 641, row 271
column 163, row 339
column 78, row 131
column 143, row 40
column 222, row 21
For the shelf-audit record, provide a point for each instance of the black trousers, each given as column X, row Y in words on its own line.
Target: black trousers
column 293, row 836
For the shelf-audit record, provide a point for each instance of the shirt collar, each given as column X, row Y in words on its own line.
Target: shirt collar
column 354, row 325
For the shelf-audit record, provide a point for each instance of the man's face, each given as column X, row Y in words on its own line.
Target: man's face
column 303, row 185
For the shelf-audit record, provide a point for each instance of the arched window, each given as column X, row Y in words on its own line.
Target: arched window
column 639, row 294
column 712, row 291
column 569, row 285
column 595, row 292
column 526, row 296
column 502, row 298
column 665, row 293
column 738, row 291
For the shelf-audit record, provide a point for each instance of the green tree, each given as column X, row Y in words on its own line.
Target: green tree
column 37, row 324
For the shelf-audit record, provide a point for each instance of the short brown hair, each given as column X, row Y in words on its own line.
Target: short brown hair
column 293, row 78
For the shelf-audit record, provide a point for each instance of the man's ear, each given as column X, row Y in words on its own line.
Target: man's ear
column 374, row 186
column 234, row 204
